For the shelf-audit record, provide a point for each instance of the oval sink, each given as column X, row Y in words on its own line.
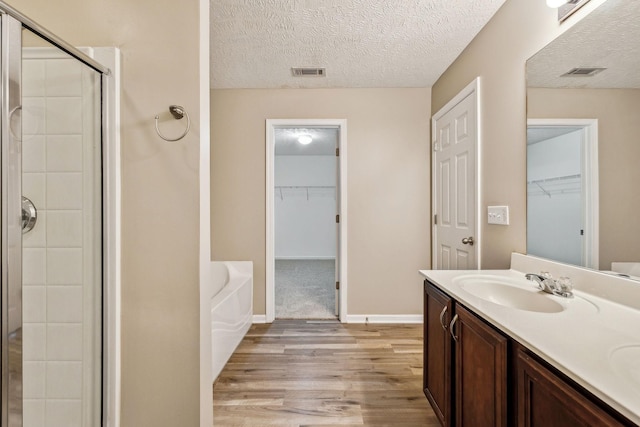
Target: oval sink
column 520, row 294
column 510, row 295
column 625, row 362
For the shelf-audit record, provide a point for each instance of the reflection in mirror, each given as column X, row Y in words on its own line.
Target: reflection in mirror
column 562, row 190
column 583, row 202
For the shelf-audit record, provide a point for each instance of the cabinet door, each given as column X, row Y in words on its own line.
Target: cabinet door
column 481, row 372
column 437, row 352
column 546, row 400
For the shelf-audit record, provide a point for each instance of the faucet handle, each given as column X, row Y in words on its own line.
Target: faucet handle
column 548, row 281
column 564, row 284
column 563, row 287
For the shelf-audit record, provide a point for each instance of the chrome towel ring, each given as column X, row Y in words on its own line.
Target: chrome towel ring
column 178, row 113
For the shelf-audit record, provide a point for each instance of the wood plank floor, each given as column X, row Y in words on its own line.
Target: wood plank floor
column 296, row 373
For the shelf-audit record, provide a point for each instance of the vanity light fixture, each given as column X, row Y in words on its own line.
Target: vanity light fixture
column 305, row 139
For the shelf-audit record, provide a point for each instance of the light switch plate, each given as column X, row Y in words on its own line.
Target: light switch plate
column 498, row 215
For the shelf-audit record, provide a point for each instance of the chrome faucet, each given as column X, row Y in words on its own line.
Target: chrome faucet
column 561, row 287
column 542, row 281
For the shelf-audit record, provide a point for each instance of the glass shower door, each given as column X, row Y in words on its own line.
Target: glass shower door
column 51, row 233
column 62, row 253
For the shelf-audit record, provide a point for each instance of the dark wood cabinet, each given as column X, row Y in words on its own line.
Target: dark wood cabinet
column 437, row 353
column 546, row 400
column 481, row 372
column 475, row 375
column 473, row 393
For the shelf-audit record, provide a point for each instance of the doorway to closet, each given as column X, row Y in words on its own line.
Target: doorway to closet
column 305, row 219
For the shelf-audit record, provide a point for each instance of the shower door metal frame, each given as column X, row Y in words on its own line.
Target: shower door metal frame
column 47, row 35
column 11, row 230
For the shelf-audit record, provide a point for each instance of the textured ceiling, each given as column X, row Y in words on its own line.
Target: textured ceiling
column 609, row 37
column 361, row 43
column 325, row 141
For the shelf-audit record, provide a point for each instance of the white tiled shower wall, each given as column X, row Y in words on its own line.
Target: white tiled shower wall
column 60, row 288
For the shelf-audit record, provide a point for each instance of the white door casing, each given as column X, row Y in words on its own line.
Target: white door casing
column 341, row 206
column 455, row 182
column 338, row 256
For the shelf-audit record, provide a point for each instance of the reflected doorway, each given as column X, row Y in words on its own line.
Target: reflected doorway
column 562, row 190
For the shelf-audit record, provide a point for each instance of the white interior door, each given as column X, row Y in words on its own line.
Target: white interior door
column 455, row 139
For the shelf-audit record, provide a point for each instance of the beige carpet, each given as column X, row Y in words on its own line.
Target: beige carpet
column 305, row 289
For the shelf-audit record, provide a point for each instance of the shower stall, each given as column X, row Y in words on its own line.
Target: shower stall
column 52, row 132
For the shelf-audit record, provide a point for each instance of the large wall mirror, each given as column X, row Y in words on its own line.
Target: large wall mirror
column 583, row 143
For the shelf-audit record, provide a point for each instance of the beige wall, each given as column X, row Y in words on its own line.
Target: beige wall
column 618, row 152
column 498, row 54
column 388, row 185
column 160, row 311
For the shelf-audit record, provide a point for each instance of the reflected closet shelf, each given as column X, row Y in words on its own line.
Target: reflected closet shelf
column 566, row 184
column 308, row 191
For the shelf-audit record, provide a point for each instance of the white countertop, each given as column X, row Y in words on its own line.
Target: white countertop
column 582, row 341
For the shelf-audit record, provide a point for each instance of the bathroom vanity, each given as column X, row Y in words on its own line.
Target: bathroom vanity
column 499, row 352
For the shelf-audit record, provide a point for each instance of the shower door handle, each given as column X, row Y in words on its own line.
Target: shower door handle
column 29, row 215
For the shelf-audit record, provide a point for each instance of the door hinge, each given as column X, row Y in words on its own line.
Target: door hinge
column 435, row 145
column 338, row 219
column 338, row 152
column 435, row 219
column 337, row 285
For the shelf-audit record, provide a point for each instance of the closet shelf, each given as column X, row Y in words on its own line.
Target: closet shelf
column 554, row 179
column 304, row 186
column 566, row 184
column 316, row 190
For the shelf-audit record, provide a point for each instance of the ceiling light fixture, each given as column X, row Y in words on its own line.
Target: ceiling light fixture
column 557, row 3
column 305, row 139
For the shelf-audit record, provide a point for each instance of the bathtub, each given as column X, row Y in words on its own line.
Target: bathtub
column 231, row 309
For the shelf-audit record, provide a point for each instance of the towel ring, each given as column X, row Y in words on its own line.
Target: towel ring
column 177, row 112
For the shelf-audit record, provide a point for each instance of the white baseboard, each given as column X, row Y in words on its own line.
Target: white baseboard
column 259, row 318
column 365, row 318
column 303, row 258
column 384, row 318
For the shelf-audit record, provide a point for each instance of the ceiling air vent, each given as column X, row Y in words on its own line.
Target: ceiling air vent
column 308, row 72
column 583, row 72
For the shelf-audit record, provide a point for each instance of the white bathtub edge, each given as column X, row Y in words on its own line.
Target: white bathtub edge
column 231, row 312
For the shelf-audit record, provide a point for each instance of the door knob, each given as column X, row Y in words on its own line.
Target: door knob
column 468, row 241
